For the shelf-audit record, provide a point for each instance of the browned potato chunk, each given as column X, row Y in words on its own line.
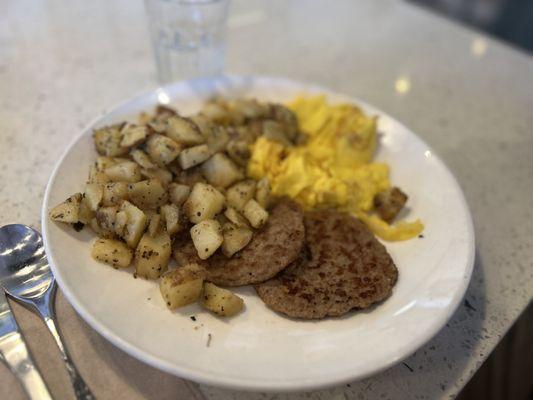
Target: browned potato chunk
column 255, row 214
column 162, row 149
column 93, row 195
column 126, row 171
column 220, row 301
column 182, row 286
column 170, row 214
column 148, row 194
column 273, row 130
column 106, row 216
column 204, row 124
column 235, row 239
column 135, row 225
column 239, row 194
column 152, row 255
column 220, row 171
column 218, row 139
column 112, row 252
column 107, row 141
column 389, row 203
column 103, row 162
column 114, row 193
column 193, row 156
column 178, row 193
column 132, row 135
column 262, row 193
column 164, row 175
column 141, row 158
column 68, row 210
column 154, row 225
column 236, row 218
column 85, row 214
column 239, row 151
column 206, row 237
column 204, row 202
column 121, row 219
column 184, row 131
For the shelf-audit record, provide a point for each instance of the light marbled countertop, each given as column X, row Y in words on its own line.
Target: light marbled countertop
column 469, row 97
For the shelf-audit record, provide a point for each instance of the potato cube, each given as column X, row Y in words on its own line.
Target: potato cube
column 141, row 158
column 216, row 112
column 107, row 141
column 193, row 156
column 184, row 131
column 170, row 214
column 162, row 149
column 178, row 193
column 96, row 176
column 68, row 210
column 256, row 214
column 106, row 216
column 206, row 237
column 103, row 162
column 164, row 175
column 182, row 286
column 93, row 195
column 126, row 171
column 154, row 225
column 136, row 224
column 262, row 193
column 235, row 239
column 220, row 301
column 239, row 151
column 85, row 214
column 203, row 203
column 114, row 193
column 112, row 252
column 148, row 194
column 220, row 171
column 204, row 124
column 152, row 255
column 389, row 203
column 273, row 130
column 218, row 139
column 236, row 218
column 239, row 194
column 121, row 219
column 132, row 135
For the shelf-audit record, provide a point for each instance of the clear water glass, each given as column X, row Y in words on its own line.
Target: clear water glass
column 188, row 37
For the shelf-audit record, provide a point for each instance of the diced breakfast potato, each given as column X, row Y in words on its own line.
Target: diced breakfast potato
column 178, row 193
column 96, row 176
column 255, row 214
column 93, row 195
column 135, row 225
column 162, row 149
column 262, row 193
column 85, row 214
column 204, row 202
column 389, row 203
column 170, row 214
column 182, row 286
column 152, row 255
column 103, row 162
column 206, row 237
column 68, row 210
column 220, row 301
column 141, row 158
column 148, row 194
column 221, row 171
column 164, row 175
column 239, row 151
column 126, row 171
column 236, row 218
column 121, row 219
column 216, row 112
column 114, row 193
column 107, row 141
column 235, row 239
column 112, row 252
column 273, row 130
column 184, row 131
column 194, row 155
column 218, row 139
column 154, row 225
column 132, row 135
column 239, row 194
column 106, row 216
column 204, row 124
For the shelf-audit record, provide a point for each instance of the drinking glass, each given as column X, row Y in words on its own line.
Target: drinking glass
column 188, row 37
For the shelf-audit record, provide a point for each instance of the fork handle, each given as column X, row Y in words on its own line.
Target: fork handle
column 81, row 390
column 15, row 355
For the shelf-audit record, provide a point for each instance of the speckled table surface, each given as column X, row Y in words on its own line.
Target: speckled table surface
column 468, row 96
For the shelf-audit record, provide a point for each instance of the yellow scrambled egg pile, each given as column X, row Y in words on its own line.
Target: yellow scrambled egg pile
column 333, row 168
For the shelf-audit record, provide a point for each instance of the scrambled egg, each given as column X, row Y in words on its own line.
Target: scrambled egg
column 333, row 168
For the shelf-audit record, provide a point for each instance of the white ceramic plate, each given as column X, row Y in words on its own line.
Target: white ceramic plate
column 259, row 349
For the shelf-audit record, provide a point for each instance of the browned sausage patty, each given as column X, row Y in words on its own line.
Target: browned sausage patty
column 342, row 267
column 272, row 248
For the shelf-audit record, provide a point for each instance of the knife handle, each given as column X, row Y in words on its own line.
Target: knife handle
column 15, row 354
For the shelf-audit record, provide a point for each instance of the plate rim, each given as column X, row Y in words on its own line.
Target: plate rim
column 232, row 383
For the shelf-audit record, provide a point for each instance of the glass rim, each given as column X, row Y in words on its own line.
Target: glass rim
column 190, row 2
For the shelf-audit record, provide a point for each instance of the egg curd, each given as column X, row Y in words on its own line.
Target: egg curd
column 333, row 168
